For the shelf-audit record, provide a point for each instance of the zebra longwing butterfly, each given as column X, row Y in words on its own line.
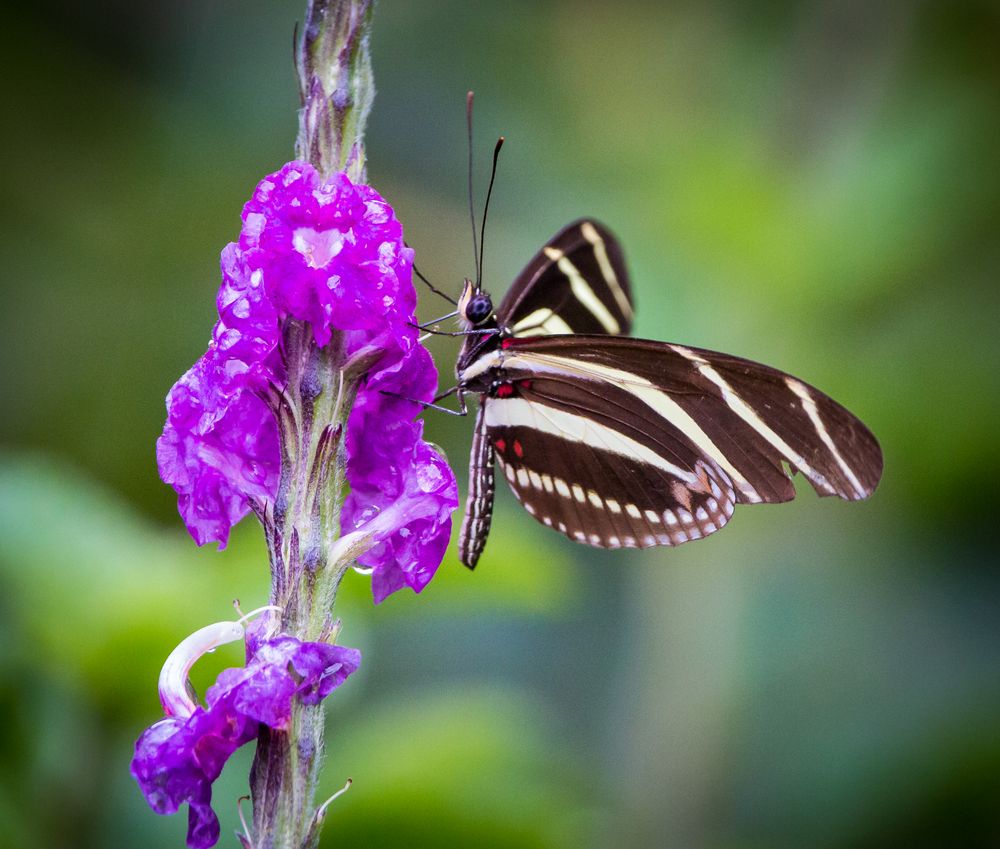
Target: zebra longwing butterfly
column 627, row 443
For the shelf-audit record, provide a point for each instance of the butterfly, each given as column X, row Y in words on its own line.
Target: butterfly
column 618, row 442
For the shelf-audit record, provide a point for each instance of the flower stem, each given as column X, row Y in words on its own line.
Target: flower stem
column 335, row 85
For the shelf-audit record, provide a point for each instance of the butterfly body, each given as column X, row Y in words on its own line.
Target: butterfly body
column 628, row 443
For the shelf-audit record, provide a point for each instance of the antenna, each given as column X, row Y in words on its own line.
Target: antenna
column 472, row 212
column 486, row 209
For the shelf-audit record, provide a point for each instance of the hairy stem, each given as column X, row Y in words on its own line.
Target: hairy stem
column 306, row 571
column 335, row 84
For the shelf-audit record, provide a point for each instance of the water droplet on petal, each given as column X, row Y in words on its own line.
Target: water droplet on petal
column 428, row 477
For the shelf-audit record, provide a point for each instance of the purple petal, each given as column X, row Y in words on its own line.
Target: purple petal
column 216, row 450
column 203, row 824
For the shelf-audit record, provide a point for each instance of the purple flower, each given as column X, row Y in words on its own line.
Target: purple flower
column 177, row 759
column 329, row 253
column 398, row 475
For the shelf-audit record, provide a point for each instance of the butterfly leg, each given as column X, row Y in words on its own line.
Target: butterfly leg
column 487, row 331
column 427, row 325
column 462, row 410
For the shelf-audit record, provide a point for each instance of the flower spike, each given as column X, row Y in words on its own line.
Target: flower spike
column 302, row 410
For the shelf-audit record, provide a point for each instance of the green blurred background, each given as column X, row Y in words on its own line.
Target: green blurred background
column 815, row 185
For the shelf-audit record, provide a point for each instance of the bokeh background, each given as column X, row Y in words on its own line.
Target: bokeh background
column 814, row 184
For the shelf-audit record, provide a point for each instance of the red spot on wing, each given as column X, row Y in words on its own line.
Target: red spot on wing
column 501, row 444
column 518, row 449
column 525, row 384
column 514, row 341
column 505, row 390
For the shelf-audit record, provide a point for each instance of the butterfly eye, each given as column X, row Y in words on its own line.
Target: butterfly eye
column 479, row 309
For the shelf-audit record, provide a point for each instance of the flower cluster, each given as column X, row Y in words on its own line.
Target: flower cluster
column 329, row 253
column 177, row 759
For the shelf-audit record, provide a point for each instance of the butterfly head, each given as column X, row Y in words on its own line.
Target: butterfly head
column 474, row 305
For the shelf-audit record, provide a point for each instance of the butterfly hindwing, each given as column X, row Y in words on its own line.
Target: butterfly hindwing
column 599, row 482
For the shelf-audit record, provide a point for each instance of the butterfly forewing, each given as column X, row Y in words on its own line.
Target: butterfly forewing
column 745, row 418
column 836, row 452
column 577, row 283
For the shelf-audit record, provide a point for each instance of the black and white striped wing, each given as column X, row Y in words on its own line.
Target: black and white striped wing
column 577, row 283
column 623, row 442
